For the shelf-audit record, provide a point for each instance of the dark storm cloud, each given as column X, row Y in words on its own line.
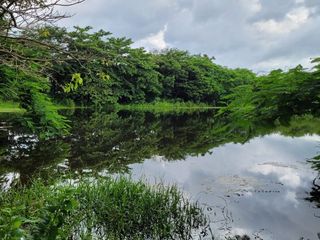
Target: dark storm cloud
column 259, row 34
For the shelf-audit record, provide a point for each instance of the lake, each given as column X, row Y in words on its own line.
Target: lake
column 253, row 178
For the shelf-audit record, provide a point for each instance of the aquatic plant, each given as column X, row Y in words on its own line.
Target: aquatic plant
column 100, row 209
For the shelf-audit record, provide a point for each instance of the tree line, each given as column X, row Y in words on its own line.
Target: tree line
column 45, row 64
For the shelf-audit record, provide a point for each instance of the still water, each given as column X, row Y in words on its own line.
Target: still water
column 257, row 179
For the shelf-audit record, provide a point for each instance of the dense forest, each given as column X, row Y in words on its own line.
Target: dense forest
column 73, row 133
column 48, row 65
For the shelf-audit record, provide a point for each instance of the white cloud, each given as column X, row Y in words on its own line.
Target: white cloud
column 292, row 197
column 239, row 33
column 154, row 41
column 292, row 21
column 253, row 5
column 287, row 175
column 284, row 62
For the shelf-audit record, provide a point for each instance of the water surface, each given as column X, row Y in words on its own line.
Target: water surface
column 258, row 179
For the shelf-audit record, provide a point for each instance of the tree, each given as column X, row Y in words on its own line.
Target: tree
column 25, row 57
column 20, row 17
column 195, row 78
column 111, row 70
column 277, row 95
column 22, row 14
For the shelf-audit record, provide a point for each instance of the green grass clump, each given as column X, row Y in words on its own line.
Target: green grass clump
column 10, row 107
column 105, row 209
column 164, row 106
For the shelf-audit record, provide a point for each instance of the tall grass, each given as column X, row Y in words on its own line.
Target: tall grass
column 8, row 107
column 164, row 106
column 105, row 209
column 13, row 107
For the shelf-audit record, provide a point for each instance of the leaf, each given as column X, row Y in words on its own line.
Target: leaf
column 16, row 223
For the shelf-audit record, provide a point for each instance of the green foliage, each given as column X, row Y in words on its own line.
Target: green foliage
column 91, row 81
column 10, row 107
column 114, row 72
column 103, row 209
column 276, row 95
column 31, row 92
column 165, row 106
column 196, row 78
column 99, row 70
column 75, row 82
column 186, row 77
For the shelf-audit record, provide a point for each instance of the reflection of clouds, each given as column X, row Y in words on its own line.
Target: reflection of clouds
column 161, row 160
column 239, row 231
column 253, row 169
column 8, row 179
column 288, row 176
column 292, row 197
column 237, row 184
column 291, row 179
column 311, row 138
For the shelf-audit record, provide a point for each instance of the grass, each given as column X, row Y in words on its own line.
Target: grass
column 10, row 107
column 166, row 106
column 163, row 106
column 105, row 209
column 13, row 107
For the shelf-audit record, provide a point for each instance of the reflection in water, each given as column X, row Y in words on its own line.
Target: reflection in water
column 243, row 198
column 251, row 178
column 315, row 190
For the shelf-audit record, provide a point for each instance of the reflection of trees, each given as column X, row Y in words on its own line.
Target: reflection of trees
column 298, row 126
column 112, row 141
column 24, row 154
column 28, row 156
column 115, row 140
column 238, row 237
column 315, row 163
column 314, row 194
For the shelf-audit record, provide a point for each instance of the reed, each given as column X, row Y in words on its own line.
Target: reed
column 101, row 209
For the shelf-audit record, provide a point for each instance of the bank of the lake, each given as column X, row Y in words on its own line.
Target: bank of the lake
column 14, row 107
column 165, row 106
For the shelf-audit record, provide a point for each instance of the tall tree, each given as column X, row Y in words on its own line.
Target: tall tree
column 25, row 57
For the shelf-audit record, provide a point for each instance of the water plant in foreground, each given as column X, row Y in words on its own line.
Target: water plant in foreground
column 103, row 209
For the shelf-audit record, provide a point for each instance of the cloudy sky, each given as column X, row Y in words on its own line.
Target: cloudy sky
column 258, row 34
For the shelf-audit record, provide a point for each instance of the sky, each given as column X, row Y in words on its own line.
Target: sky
column 256, row 34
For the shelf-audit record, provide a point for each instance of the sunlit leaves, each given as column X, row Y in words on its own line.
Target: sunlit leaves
column 75, row 82
column 103, row 76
